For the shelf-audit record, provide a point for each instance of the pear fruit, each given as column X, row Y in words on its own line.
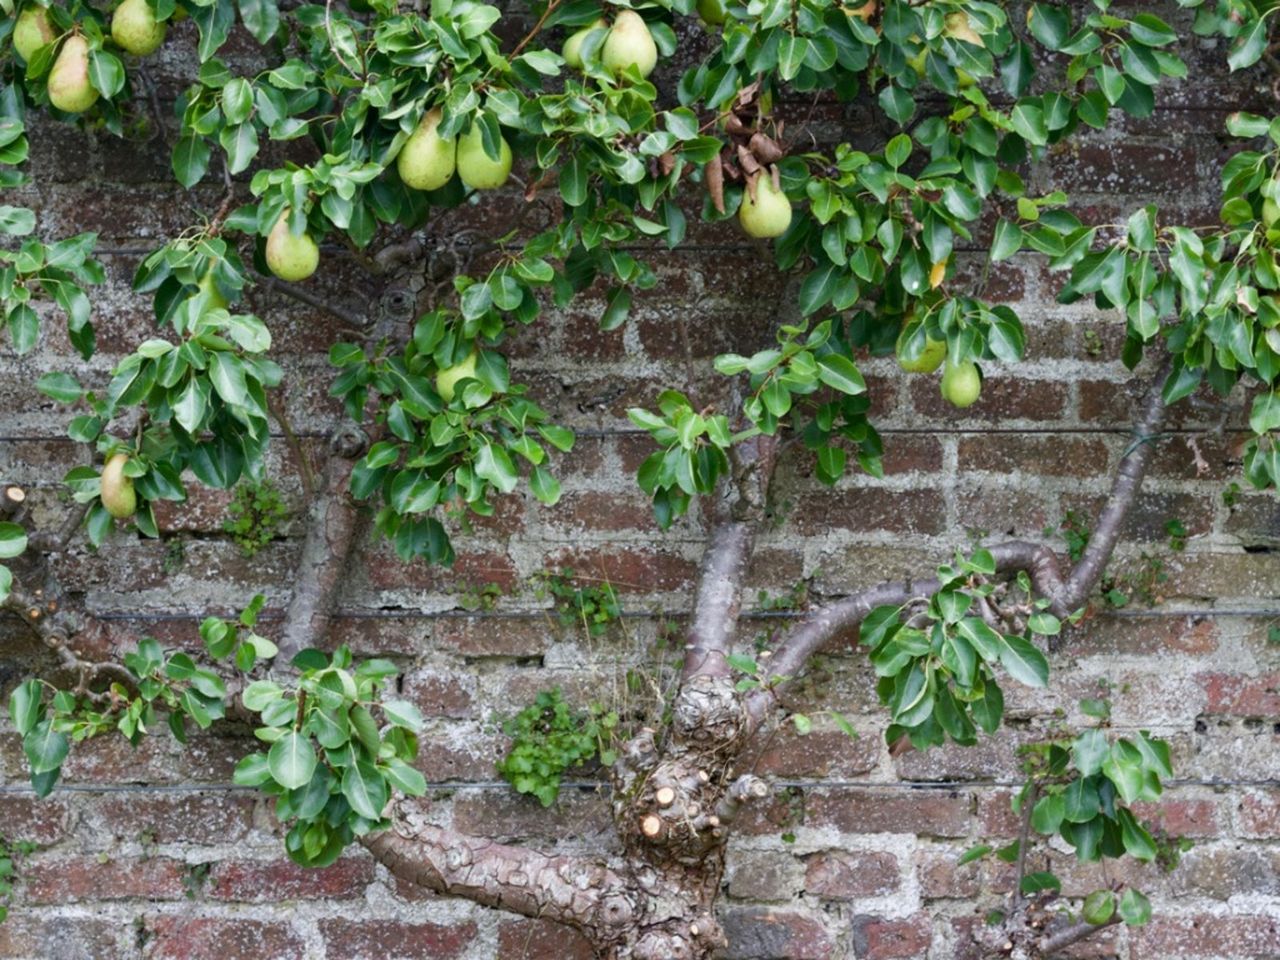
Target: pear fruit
column 69, row 87
column 447, row 379
column 628, row 44
column 572, row 49
column 207, row 285
column 476, row 168
column 712, row 12
column 32, row 31
column 427, row 160
column 961, row 383
column 769, row 214
column 935, row 351
column 291, row 256
column 135, row 28
column 117, row 490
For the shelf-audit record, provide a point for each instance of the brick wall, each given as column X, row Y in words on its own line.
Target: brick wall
column 151, row 853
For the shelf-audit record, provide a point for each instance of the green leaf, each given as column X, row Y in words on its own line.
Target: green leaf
column 1040, row 880
column 544, row 486
column 1089, row 751
column 13, row 540
column 45, row 747
column 24, row 706
column 974, row 853
column 401, row 713
column 106, row 73
column 258, row 694
column 839, row 372
column 1247, row 51
column 1024, row 662
column 365, row 789
column 1007, row 242
column 62, row 387
column 292, row 760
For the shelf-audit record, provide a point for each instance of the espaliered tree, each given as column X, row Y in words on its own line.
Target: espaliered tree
column 399, row 112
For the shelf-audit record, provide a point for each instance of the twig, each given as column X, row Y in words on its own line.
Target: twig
column 354, row 323
column 537, row 28
column 1024, row 834
column 304, row 462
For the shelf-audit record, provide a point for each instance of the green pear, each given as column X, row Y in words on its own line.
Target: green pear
column 427, row 160
column 628, row 44
column 447, row 379
column 117, row 490
column 291, row 256
column 476, row 168
column 32, row 31
column 572, row 49
column 961, row 383
column 769, row 214
column 935, row 351
column 712, row 12
column 135, row 28
column 69, row 87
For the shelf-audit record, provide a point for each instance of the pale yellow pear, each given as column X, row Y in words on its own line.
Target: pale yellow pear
column 134, row 26
column 32, row 31
column 628, row 44
column 961, row 383
column 477, row 169
column 427, row 160
column 291, row 256
column 935, row 351
column 117, row 490
column 447, row 379
column 572, row 49
column 215, row 301
column 69, row 87
column 769, row 214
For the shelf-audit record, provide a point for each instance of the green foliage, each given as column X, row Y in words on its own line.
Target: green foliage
column 11, row 853
column 254, row 515
column 13, row 543
column 592, row 606
column 1074, row 530
column 550, row 738
column 936, row 658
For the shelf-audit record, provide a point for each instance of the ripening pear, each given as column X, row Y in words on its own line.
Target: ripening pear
column 117, row 490
column 769, row 214
column 476, row 168
column 69, row 87
column 629, row 43
column 572, row 49
column 935, row 351
column 134, row 26
column 291, row 256
column 427, row 160
column 447, row 379
column 32, row 31
column 961, row 383
column 712, row 12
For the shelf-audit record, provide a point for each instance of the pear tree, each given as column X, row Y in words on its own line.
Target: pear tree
column 626, row 119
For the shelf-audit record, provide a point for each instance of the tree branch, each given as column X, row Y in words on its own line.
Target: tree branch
column 718, row 598
column 1124, row 491
column 331, row 526
column 842, row 616
column 581, row 893
column 1057, row 942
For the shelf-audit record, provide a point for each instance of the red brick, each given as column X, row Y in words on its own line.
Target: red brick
column 822, row 753
column 867, row 509
column 395, row 939
column 34, row 820
column 1034, row 455
column 1240, row 937
column 73, row 879
column 630, row 570
column 214, row 938
column 439, row 694
column 939, row 813
column 258, row 881
column 1182, row 818
column 942, row 877
column 841, row 875
column 27, row 935
column 1003, row 398
column 756, row 934
column 877, row 939
column 541, row 940
column 1242, row 696
column 201, row 819
column 502, row 814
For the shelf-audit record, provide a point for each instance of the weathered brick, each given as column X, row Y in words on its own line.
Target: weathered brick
column 1258, row 815
column 396, row 939
column 27, row 935
column 217, row 938
column 939, row 813
column 536, row 939
column 756, row 934
column 1241, row 937
column 255, row 881
column 848, row 875
column 76, row 879
column 878, row 939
